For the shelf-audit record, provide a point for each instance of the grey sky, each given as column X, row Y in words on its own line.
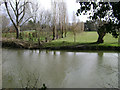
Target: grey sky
column 72, row 6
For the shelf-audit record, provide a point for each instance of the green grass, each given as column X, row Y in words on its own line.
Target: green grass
column 83, row 38
column 25, row 35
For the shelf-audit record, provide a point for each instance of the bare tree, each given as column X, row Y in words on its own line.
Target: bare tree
column 59, row 17
column 54, row 8
column 18, row 8
column 77, row 26
column 5, row 23
column 74, row 24
column 63, row 17
column 66, row 25
column 0, row 27
column 34, row 9
column 48, row 18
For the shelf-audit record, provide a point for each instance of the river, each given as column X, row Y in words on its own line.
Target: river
column 59, row 69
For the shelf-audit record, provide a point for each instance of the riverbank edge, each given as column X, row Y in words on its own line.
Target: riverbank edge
column 31, row 46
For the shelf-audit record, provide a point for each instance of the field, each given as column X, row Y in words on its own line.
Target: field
column 81, row 38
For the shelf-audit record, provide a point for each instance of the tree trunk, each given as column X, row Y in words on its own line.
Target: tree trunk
column 65, row 33
column 119, row 38
column 54, row 33
column 100, row 37
column 17, row 32
column 74, row 37
column 57, row 34
column 62, row 32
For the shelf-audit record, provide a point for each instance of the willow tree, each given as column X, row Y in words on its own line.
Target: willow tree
column 16, row 10
column 105, row 12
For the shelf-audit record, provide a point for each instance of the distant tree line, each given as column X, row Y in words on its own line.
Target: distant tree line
column 28, row 15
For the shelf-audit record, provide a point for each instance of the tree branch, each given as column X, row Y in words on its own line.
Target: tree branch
column 21, row 12
column 26, row 20
column 22, row 15
column 17, row 15
column 10, row 15
column 18, row 2
column 23, row 5
column 12, row 8
column 12, row 2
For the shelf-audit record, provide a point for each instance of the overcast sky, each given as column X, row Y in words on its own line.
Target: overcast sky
column 72, row 6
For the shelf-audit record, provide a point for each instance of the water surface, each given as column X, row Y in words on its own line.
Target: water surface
column 59, row 69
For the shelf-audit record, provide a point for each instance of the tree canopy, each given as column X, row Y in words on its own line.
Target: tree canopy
column 108, row 12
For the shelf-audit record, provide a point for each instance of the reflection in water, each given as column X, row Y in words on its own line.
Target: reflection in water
column 106, row 66
column 0, row 68
column 59, row 69
column 119, row 69
column 100, row 55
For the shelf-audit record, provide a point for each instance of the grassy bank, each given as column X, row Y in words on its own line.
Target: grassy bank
column 83, row 38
